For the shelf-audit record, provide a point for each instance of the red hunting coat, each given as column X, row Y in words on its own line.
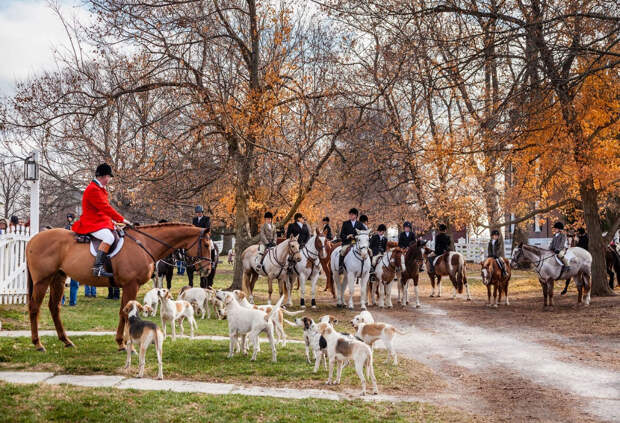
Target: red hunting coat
column 97, row 213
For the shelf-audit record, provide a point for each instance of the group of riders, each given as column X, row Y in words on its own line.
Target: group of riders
column 98, row 217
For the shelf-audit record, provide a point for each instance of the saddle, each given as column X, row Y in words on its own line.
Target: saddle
column 119, row 239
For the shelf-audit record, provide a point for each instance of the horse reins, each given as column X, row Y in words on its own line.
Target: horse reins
column 181, row 251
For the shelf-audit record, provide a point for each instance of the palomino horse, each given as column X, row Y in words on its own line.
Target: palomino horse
column 386, row 271
column 54, row 254
column 357, row 265
column 325, row 264
column 308, row 268
column 549, row 270
column 449, row 264
column 275, row 264
column 492, row 275
column 414, row 257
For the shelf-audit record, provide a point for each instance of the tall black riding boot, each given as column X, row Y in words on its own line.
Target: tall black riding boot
column 340, row 263
column 98, row 269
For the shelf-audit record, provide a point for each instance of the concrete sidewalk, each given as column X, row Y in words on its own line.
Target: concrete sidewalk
column 122, row 382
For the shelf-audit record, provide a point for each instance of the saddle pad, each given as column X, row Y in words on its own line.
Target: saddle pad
column 435, row 261
column 558, row 260
column 115, row 250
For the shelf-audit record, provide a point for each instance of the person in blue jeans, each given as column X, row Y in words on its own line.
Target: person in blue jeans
column 90, row 291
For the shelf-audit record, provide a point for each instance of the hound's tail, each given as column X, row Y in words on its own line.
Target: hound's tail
column 399, row 332
column 291, row 323
column 292, row 313
column 274, row 312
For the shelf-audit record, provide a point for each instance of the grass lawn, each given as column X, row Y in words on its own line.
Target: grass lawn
column 29, row 403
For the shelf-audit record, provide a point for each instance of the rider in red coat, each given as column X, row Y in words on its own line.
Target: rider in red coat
column 98, row 216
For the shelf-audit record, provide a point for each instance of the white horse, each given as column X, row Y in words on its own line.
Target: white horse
column 274, row 266
column 309, row 267
column 357, row 266
column 388, row 269
column 549, row 270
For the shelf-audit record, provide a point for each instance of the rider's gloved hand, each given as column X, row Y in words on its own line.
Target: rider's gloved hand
column 127, row 222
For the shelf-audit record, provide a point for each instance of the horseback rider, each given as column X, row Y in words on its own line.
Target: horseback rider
column 347, row 235
column 200, row 220
column 443, row 244
column 496, row 250
column 327, row 230
column 299, row 229
column 558, row 244
column 364, row 221
column 407, row 236
column 98, row 216
column 267, row 239
column 378, row 244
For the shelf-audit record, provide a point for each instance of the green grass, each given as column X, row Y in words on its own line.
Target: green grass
column 32, row 403
column 201, row 360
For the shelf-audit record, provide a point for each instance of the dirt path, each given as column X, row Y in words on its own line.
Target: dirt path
column 505, row 374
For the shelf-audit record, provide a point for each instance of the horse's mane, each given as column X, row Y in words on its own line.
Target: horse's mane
column 413, row 252
column 532, row 247
column 159, row 225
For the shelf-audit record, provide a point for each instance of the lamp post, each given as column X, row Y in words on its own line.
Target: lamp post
column 31, row 173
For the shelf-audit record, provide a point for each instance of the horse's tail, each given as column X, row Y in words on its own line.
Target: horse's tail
column 461, row 278
column 30, row 283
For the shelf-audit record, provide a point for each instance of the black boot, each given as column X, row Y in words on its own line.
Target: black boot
column 98, row 269
column 110, row 293
column 313, row 303
column 302, row 303
column 565, row 290
column 117, row 294
column 341, row 264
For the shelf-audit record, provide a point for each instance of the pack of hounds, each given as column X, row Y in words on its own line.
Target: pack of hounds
column 246, row 321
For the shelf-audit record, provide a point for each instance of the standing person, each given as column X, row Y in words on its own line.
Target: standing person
column 4, row 224
column 378, row 244
column 14, row 223
column 201, row 221
column 582, row 239
column 299, row 229
column 443, row 244
column 347, row 235
column 279, row 228
column 267, row 239
column 97, row 219
column 495, row 250
column 407, row 236
column 73, row 285
column 327, row 230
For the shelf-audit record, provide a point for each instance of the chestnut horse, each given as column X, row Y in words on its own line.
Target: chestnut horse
column 449, row 264
column 325, row 264
column 414, row 257
column 492, row 275
column 54, row 254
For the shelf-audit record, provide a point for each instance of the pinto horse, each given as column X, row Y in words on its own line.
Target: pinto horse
column 449, row 264
column 325, row 264
column 54, row 254
column 414, row 257
column 386, row 271
column 308, row 268
column 492, row 275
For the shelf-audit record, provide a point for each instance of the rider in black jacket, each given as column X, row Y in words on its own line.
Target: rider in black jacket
column 443, row 244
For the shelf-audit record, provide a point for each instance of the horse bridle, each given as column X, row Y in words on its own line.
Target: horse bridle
column 181, row 251
column 538, row 265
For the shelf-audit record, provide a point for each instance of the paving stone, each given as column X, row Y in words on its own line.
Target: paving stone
column 94, row 381
column 25, row 377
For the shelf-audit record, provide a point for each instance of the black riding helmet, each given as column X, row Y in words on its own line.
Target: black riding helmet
column 354, row 211
column 558, row 225
column 407, row 225
column 364, row 218
column 494, row 232
column 442, row 227
column 326, row 219
column 103, row 169
column 381, row 228
column 268, row 215
column 298, row 216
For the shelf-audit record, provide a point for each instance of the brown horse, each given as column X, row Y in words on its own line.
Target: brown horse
column 414, row 257
column 325, row 264
column 449, row 264
column 492, row 275
column 53, row 255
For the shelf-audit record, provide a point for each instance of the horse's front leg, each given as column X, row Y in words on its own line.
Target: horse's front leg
column 432, row 279
column 488, row 295
column 302, row 289
column 57, row 288
column 351, row 282
column 543, row 284
column 495, row 294
column 438, row 285
column 130, row 290
column 388, row 293
column 342, row 281
column 269, row 288
column 314, row 280
column 363, row 287
column 416, row 280
column 550, row 292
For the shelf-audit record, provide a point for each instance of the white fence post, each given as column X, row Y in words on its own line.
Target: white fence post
column 13, row 280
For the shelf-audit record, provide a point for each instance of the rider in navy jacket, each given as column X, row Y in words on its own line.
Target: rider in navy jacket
column 406, row 237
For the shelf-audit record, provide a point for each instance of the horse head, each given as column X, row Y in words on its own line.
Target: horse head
column 518, row 257
column 397, row 259
column 320, row 243
column 293, row 248
column 362, row 239
column 485, row 273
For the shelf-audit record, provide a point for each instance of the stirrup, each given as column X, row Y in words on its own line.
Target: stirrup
column 100, row 272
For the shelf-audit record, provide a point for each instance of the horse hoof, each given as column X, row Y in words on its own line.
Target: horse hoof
column 432, row 295
column 70, row 345
column 122, row 349
column 417, row 306
column 41, row 348
column 469, row 299
column 351, row 308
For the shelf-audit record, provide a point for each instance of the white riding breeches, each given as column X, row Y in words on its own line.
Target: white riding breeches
column 105, row 235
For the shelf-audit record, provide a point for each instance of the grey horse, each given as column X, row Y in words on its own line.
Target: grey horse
column 549, row 270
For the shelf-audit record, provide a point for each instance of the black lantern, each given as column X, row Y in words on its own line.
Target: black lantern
column 31, row 169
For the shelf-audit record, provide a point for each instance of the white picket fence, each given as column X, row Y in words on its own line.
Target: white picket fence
column 476, row 251
column 13, row 282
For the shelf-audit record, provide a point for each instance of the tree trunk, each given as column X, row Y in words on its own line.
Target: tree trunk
column 589, row 199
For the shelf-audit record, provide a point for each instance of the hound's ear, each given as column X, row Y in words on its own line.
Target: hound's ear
column 228, row 299
column 139, row 306
column 295, row 237
column 241, row 295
